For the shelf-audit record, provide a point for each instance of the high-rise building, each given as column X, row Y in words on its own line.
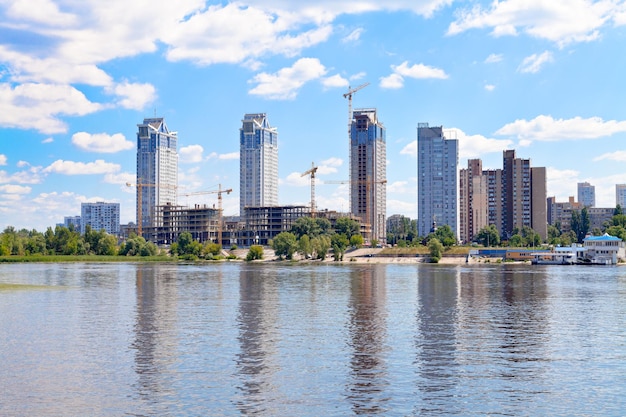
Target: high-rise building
column 157, row 169
column 100, row 216
column 72, row 221
column 368, row 171
column 509, row 198
column 258, row 159
column 437, row 179
column 620, row 196
column 586, row 194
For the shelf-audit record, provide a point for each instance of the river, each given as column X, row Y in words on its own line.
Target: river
column 311, row 340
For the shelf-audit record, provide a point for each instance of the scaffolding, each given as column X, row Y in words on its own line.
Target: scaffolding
column 200, row 220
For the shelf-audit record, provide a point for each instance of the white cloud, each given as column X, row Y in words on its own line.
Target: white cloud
column 493, row 58
column 335, row 81
column 284, row 84
column 392, row 81
column 358, row 76
column 401, row 187
column 559, row 21
column 354, row 36
column 37, row 106
column 420, row 71
column 561, row 183
column 29, row 176
column 229, row 156
column 3, row 159
column 191, row 154
column 403, row 207
column 22, row 164
column 80, row 168
column 533, row 63
column 548, row 129
column 134, row 96
column 410, row 149
column 39, row 11
column 297, row 180
column 14, row 189
column 490, row 87
column 48, row 140
column 122, row 178
column 101, row 142
column 329, row 166
column 619, row 156
column 470, row 146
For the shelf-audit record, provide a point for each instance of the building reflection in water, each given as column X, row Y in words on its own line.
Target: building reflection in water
column 155, row 332
column 256, row 321
column 436, row 340
column 368, row 379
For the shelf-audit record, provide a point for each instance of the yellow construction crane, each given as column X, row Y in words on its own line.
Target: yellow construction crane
column 219, row 193
column 312, row 172
column 140, row 186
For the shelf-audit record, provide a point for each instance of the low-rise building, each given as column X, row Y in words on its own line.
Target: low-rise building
column 604, row 249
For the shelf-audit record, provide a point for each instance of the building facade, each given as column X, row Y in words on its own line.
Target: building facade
column 368, row 172
column 100, row 216
column 560, row 212
column 437, row 178
column 620, row 195
column 157, row 169
column 586, row 194
column 258, row 159
column 72, row 221
column 509, row 198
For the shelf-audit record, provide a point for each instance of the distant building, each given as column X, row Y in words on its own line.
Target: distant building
column 157, row 169
column 560, row 213
column 258, row 161
column 368, row 171
column 100, row 216
column 437, row 178
column 509, row 198
column 599, row 216
column 586, row 194
column 72, row 221
column 620, row 196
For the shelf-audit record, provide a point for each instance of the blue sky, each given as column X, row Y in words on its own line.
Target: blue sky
column 544, row 78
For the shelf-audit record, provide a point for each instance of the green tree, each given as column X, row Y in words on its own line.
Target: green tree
column 255, row 252
column 347, row 226
column 285, row 244
column 488, row 236
column 138, row 246
column 321, row 245
column 517, row 241
column 356, row 241
column 580, row 223
column 435, row 247
column 306, row 226
column 618, row 210
column 617, row 231
column 186, row 246
column 339, row 243
column 304, row 246
column 444, row 234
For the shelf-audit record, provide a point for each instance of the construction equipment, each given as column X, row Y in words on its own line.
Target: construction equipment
column 366, row 219
column 219, row 193
column 312, row 172
column 140, row 186
column 348, row 95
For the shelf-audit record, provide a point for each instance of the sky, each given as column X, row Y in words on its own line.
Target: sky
column 543, row 78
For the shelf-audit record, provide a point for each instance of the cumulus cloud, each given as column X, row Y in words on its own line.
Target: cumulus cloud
column 297, row 180
column 38, row 106
column 48, row 140
column 354, row 36
column 3, row 159
column 547, row 129
column 329, row 166
column 335, row 81
column 490, row 87
column 29, row 176
column 420, row 71
column 101, row 142
column 191, row 154
column 99, row 166
column 134, row 96
column 559, row 21
column 470, row 146
column 533, row 63
column 14, row 189
column 284, row 84
column 229, row 156
column 561, row 183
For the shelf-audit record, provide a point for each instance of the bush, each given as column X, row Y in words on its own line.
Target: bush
column 255, row 252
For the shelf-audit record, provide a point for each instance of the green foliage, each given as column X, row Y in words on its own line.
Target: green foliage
column 306, row 226
column 580, row 223
column 488, row 236
column 516, row 241
column 436, row 248
column 233, row 247
column 444, row 235
column 617, row 231
column 304, row 246
column 356, row 241
column 137, row 246
column 285, row 244
column 321, row 245
column 186, row 245
column 347, row 226
column 255, row 252
column 339, row 243
column 210, row 250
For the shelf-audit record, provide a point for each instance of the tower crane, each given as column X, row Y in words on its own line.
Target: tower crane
column 219, row 193
column 348, row 95
column 140, row 186
column 312, row 172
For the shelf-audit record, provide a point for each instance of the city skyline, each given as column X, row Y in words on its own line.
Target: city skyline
column 75, row 79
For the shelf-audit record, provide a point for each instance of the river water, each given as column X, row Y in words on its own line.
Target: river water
column 312, row 340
